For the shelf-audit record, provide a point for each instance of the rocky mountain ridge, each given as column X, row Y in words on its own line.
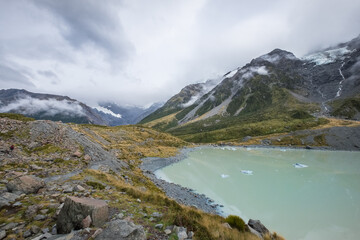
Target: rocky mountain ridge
column 62, row 108
column 325, row 83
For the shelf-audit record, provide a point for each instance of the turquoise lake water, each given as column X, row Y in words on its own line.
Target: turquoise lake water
column 317, row 199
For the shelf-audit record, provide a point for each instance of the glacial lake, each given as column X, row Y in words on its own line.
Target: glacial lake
column 316, row 199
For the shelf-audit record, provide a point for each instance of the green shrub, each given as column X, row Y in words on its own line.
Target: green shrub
column 95, row 185
column 237, row 222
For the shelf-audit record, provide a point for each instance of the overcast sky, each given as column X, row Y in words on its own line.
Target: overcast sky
column 138, row 51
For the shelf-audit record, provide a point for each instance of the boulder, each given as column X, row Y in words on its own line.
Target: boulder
column 25, row 184
column 122, row 230
column 6, row 198
column 75, row 210
column 258, row 226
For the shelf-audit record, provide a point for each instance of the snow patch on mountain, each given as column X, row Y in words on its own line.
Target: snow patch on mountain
column 327, row 57
column 107, row 111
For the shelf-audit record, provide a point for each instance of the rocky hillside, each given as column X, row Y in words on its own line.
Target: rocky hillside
column 60, row 177
column 47, row 107
column 277, row 91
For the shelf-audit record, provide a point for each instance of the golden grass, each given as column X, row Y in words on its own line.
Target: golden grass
column 205, row 226
column 163, row 120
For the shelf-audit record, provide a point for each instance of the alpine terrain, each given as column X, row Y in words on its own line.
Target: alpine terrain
column 274, row 93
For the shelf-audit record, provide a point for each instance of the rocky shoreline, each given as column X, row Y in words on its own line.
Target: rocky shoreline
column 181, row 194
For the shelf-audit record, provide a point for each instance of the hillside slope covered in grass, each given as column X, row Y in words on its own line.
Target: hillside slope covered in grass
column 89, row 161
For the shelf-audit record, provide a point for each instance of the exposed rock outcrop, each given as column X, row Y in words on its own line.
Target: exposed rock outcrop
column 258, row 226
column 75, row 210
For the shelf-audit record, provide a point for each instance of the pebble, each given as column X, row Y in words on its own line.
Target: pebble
column 159, row 226
column 39, row 217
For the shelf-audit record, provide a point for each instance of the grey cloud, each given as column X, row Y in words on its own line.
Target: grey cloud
column 91, row 21
column 10, row 77
column 47, row 107
column 51, row 75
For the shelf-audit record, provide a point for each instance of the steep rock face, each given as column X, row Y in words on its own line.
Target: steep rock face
column 326, row 79
column 47, row 107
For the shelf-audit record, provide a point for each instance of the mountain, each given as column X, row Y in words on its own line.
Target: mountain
column 116, row 115
column 275, row 92
column 47, row 106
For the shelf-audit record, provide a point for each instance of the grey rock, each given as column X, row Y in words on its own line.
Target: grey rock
column 67, row 189
column 156, row 214
column 167, row 231
column 25, row 184
column 17, row 204
column 27, row 233
column 35, row 229
column 10, row 226
column 159, row 226
column 76, row 209
column 39, row 217
column 6, row 198
column 122, row 230
column 31, row 211
column 2, row 234
column 258, row 226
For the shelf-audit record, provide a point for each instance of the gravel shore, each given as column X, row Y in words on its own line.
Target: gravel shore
column 181, row 194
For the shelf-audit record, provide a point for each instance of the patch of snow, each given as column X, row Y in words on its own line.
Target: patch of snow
column 327, row 57
column 274, row 58
column 231, row 74
column 107, row 111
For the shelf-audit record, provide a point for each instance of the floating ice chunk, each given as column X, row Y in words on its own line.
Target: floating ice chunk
column 299, row 165
column 224, row 176
column 247, row 172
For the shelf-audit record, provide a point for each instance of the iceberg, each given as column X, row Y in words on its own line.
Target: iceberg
column 247, row 172
column 299, row 165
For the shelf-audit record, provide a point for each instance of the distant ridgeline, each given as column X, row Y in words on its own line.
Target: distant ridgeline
column 276, row 92
column 62, row 108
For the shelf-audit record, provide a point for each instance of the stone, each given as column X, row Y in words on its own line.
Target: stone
column 44, row 211
column 122, row 230
column 182, row 235
column 35, row 229
column 159, row 226
column 227, row 225
column 67, row 189
column 156, row 214
column 27, row 233
column 167, row 231
column 31, row 211
column 87, row 158
column 25, row 184
column 190, row 234
column 6, row 198
column 86, row 222
column 79, row 188
column 96, row 233
column 77, row 154
column 258, row 226
column 39, row 217
column 76, row 209
column 2, row 234
column 120, row 216
column 10, row 226
column 17, row 204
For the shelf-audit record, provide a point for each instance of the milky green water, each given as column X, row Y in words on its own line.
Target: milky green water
column 318, row 202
